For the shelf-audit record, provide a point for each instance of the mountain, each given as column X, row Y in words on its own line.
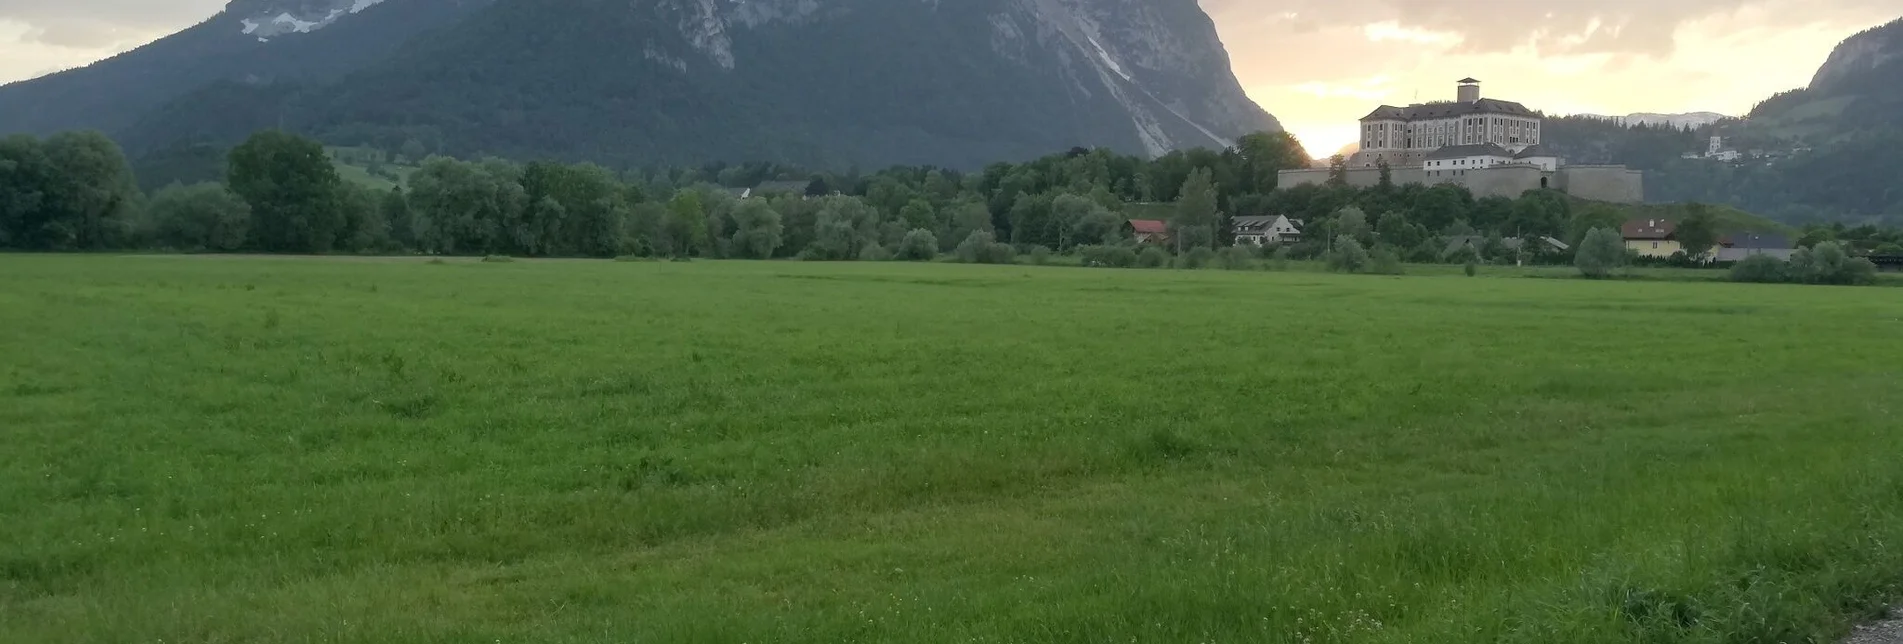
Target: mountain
column 819, row 82
column 1688, row 119
column 1859, row 86
column 1873, row 54
column 250, row 41
column 1829, row 150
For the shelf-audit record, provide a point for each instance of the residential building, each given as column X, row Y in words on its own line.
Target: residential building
column 1148, row 231
column 1736, row 247
column 1651, row 237
column 795, row 188
column 1265, row 230
column 1546, row 245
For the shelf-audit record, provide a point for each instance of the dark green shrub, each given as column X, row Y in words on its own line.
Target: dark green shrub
column 982, row 248
column 1236, row 258
column 1197, row 257
column 1763, row 269
column 1153, row 257
column 1385, row 261
column 1601, row 252
column 1347, row 256
column 920, row 245
column 1039, row 255
column 874, row 253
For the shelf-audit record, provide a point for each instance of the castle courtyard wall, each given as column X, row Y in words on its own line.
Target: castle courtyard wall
column 1615, row 184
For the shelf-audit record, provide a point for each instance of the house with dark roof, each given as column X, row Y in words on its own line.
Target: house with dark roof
column 1265, row 230
column 1737, row 246
column 1543, row 245
column 769, row 188
column 1147, row 231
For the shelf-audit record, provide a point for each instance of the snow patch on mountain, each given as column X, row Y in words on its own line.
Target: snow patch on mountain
column 271, row 18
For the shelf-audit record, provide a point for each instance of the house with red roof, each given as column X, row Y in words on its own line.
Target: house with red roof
column 1148, row 231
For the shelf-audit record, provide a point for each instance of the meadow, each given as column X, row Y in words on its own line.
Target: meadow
column 202, row 449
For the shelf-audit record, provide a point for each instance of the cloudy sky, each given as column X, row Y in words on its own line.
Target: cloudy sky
column 1316, row 64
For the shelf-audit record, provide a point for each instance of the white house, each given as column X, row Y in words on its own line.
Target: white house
column 1456, row 160
column 1265, row 230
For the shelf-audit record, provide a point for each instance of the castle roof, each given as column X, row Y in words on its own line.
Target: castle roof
column 1447, row 110
column 1465, row 151
column 1532, row 151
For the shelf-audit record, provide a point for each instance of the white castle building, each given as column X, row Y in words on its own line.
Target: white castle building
column 1405, row 136
column 1489, row 145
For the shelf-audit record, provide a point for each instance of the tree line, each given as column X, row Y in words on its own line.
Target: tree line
column 281, row 193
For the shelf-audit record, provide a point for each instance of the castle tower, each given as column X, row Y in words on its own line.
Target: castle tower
column 1469, row 91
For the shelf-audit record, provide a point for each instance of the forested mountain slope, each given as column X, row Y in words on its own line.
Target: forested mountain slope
column 817, row 82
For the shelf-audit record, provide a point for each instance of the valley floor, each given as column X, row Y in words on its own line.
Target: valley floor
column 286, row 450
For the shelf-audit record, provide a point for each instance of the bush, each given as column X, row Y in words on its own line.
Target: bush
column 1001, row 253
column 1472, row 267
column 982, row 248
column 1280, row 260
column 1763, row 269
column 1196, row 258
column 1153, row 257
column 498, row 259
column 873, row 252
column 1040, row 255
column 920, row 245
column 1347, row 256
column 1107, row 256
column 1829, row 263
column 1235, row 258
column 1601, row 252
column 1385, row 261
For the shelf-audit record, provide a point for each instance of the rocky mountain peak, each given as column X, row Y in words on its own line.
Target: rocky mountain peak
column 1863, row 52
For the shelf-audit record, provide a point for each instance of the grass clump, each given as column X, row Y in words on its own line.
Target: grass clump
column 497, row 259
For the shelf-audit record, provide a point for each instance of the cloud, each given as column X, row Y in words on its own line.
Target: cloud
column 1633, row 27
column 88, row 24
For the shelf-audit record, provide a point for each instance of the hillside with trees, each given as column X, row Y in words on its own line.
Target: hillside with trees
column 1829, row 151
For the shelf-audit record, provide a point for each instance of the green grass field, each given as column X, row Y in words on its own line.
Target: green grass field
column 360, row 450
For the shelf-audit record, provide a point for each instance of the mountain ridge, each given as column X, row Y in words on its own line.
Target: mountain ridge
column 810, row 81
